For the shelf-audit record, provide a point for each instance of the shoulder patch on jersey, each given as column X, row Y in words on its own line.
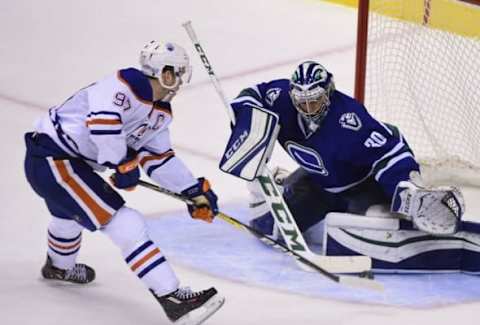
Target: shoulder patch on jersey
column 138, row 84
column 350, row 121
column 249, row 92
column 272, row 95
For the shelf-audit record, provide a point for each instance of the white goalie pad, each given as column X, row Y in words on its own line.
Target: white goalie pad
column 395, row 246
column 250, row 143
column 360, row 233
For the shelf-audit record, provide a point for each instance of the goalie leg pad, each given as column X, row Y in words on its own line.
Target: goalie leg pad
column 395, row 247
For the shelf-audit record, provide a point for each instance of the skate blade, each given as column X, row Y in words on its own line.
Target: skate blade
column 199, row 315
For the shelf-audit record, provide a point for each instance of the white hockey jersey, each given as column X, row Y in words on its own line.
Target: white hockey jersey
column 98, row 123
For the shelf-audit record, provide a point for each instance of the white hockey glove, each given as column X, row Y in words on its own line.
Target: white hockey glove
column 435, row 210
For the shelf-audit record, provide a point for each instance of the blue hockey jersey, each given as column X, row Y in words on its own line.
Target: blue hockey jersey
column 349, row 147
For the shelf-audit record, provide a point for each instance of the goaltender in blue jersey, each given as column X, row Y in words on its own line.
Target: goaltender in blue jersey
column 333, row 138
column 348, row 161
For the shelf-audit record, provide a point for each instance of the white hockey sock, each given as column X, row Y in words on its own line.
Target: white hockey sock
column 64, row 239
column 127, row 230
column 149, row 264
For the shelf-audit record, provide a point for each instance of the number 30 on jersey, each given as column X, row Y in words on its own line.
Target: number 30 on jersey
column 375, row 140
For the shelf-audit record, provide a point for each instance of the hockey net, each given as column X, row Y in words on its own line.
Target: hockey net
column 418, row 67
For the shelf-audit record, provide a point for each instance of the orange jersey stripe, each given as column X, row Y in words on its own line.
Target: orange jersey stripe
column 64, row 247
column 145, row 258
column 164, row 155
column 101, row 214
column 103, row 121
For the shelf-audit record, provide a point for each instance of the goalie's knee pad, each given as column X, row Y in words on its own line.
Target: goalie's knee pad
column 126, row 229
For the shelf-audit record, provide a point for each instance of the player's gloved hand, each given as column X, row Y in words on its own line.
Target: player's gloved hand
column 435, row 210
column 127, row 173
column 205, row 201
column 280, row 175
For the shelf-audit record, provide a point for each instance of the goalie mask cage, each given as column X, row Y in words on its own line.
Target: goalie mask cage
column 418, row 67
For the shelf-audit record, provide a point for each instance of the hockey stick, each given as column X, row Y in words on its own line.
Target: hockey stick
column 353, row 281
column 283, row 217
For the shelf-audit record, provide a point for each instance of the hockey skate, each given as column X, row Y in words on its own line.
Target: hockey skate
column 80, row 273
column 186, row 307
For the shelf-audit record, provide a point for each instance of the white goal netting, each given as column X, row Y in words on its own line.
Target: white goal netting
column 423, row 75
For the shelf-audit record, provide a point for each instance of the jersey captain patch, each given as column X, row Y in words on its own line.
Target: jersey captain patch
column 350, row 121
column 306, row 157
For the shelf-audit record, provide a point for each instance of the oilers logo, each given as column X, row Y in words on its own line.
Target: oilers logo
column 145, row 131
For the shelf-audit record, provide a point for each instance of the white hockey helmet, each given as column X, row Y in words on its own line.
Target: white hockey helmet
column 156, row 56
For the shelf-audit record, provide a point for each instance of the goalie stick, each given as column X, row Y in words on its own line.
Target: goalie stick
column 280, row 211
column 362, row 281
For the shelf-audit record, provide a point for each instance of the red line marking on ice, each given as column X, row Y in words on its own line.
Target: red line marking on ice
column 239, row 74
column 22, row 102
column 277, row 64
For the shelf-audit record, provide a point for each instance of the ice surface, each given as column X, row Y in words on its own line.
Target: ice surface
column 224, row 251
column 51, row 48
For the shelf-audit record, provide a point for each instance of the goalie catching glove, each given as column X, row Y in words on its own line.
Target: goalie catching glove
column 435, row 210
column 204, row 205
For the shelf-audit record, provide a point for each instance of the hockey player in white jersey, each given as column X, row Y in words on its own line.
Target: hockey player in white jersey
column 118, row 123
column 348, row 162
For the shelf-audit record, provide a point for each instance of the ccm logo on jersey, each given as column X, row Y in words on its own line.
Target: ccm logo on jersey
column 306, row 157
column 350, row 121
column 236, row 144
column 272, row 95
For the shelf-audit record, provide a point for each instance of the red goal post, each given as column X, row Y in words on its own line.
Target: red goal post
column 418, row 67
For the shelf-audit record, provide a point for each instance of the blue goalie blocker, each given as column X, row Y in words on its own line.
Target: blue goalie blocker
column 396, row 247
column 250, row 143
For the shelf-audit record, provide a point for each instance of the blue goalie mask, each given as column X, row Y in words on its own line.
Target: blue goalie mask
column 310, row 88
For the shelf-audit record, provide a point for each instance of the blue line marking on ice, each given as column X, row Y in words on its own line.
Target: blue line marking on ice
column 224, row 251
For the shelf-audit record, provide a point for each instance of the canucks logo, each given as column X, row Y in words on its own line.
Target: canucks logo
column 272, row 95
column 350, row 121
column 306, row 157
